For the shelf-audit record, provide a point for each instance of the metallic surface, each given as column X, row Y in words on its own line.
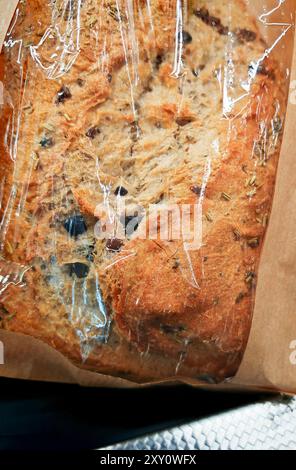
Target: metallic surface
column 270, row 425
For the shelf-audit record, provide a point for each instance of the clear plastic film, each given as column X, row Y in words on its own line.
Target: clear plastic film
column 139, row 148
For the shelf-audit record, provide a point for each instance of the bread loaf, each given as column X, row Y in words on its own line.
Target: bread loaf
column 112, row 112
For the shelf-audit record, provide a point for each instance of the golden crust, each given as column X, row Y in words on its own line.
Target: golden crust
column 124, row 115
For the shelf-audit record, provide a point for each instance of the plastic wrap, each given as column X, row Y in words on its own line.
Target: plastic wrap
column 139, row 148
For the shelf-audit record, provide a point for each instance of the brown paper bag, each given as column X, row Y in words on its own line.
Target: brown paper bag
column 270, row 358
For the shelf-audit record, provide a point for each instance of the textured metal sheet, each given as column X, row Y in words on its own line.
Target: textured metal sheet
column 270, row 425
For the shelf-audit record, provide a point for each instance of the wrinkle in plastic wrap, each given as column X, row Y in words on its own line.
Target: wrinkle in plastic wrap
column 139, row 144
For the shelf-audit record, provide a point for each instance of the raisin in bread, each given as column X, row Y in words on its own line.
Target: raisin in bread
column 151, row 104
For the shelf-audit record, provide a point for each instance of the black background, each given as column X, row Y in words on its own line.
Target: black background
column 47, row 416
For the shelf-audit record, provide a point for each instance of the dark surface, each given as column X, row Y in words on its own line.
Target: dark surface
column 43, row 416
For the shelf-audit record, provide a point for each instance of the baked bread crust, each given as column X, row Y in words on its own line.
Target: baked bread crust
column 128, row 120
